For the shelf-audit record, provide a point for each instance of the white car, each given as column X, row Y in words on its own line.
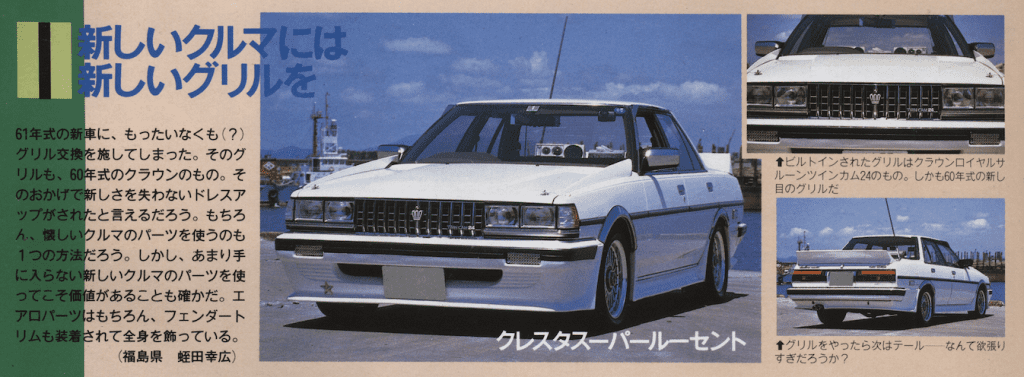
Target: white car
column 875, row 275
column 534, row 205
column 896, row 84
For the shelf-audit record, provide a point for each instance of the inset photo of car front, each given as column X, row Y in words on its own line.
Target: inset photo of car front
column 875, row 84
column 936, row 267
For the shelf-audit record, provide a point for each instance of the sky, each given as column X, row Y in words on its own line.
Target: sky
column 761, row 27
column 967, row 224
column 402, row 70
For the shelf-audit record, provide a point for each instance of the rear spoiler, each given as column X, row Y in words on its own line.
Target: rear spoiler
column 848, row 257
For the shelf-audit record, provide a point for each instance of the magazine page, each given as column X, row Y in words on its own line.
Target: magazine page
column 462, row 188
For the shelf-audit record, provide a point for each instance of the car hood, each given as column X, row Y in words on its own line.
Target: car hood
column 874, row 68
column 526, row 183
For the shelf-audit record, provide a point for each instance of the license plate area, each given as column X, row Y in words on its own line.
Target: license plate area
column 414, row 283
column 840, row 278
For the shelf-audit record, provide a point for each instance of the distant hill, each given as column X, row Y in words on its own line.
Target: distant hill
column 288, row 152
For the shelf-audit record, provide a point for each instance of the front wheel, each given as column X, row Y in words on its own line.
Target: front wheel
column 716, row 279
column 980, row 303
column 925, row 308
column 613, row 282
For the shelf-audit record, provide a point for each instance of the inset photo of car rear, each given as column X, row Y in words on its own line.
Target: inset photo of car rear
column 875, row 84
column 917, row 267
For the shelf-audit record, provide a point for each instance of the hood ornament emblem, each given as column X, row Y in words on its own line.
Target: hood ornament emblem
column 417, row 214
column 875, row 98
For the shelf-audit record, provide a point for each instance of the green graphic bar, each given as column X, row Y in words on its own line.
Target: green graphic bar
column 44, row 60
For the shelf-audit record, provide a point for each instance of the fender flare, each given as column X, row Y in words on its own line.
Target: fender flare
column 614, row 215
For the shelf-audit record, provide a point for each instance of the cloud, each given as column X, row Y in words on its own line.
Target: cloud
column 932, row 226
column 536, row 64
column 847, row 231
column 421, row 44
column 690, row 91
column 406, row 89
column 826, row 231
column 471, row 82
column 782, row 36
column 982, row 214
column 976, row 224
column 797, row 232
column 901, row 219
column 357, row 96
column 473, row 65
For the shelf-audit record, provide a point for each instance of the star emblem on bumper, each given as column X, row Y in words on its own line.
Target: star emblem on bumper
column 327, row 288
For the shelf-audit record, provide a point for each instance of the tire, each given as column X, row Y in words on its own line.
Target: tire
column 980, row 303
column 831, row 317
column 336, row 311
column 925, row 308
column 716, row 278
column 613, row 282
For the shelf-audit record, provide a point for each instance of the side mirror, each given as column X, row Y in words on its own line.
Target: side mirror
column 659, row 158
column 388, row 150
column 986, row 49
column 762, row 48
column 964, row 263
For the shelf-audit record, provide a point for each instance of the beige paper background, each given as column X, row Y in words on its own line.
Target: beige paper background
column 174, row 110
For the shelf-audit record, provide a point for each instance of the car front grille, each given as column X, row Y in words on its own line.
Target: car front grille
column 436, row 218
column 858, row 101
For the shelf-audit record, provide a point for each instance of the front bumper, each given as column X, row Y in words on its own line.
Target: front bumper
column 874, row 135
column 849, row 298
column 478, row 272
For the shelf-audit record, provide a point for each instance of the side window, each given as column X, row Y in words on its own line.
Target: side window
column 948, row 254
column 932, row 253
column 688, row 159
column 643, row 132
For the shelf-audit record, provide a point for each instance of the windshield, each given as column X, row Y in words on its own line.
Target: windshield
column 904, row 35
column 540, row 134
column 906, row 245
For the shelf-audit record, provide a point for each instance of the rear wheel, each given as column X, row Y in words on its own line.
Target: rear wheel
column 335, row 310
column 716, row 279
column 980, row 303
column 613, row 282
column 925, row 308
column 831, row 317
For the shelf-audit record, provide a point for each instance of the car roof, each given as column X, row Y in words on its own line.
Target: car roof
column 545, row 101
column 901, row 235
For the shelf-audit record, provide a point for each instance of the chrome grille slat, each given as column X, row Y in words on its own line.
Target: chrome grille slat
column 439, row 218
column 851, row 101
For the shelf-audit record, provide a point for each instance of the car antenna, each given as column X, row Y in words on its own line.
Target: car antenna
column 558, row 59
column 890, row 217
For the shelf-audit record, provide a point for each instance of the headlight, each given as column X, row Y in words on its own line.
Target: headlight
column 790, row 96
column 538, row 216
column 989, row 98
column 309, row 210
column 568, row 218
column 338, row 211
column 958, row 98
column 760, row 95
column 502, row 216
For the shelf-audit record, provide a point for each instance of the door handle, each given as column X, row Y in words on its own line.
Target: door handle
column 682, row 190
column 933, row 270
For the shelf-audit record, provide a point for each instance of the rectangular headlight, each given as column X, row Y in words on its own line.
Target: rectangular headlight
column 759, row 95
column 989, row 98
column 504, row 216
column 958, row 98
column 790, row 96
column 309, row 210
column 338, row 211
column 538, row 216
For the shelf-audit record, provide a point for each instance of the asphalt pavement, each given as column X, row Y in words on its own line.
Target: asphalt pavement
column 674, row 327
column 792, row 321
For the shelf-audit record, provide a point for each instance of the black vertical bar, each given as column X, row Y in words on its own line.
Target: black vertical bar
column 44, row 60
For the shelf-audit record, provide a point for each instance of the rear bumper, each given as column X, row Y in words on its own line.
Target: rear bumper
column 874, row 298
